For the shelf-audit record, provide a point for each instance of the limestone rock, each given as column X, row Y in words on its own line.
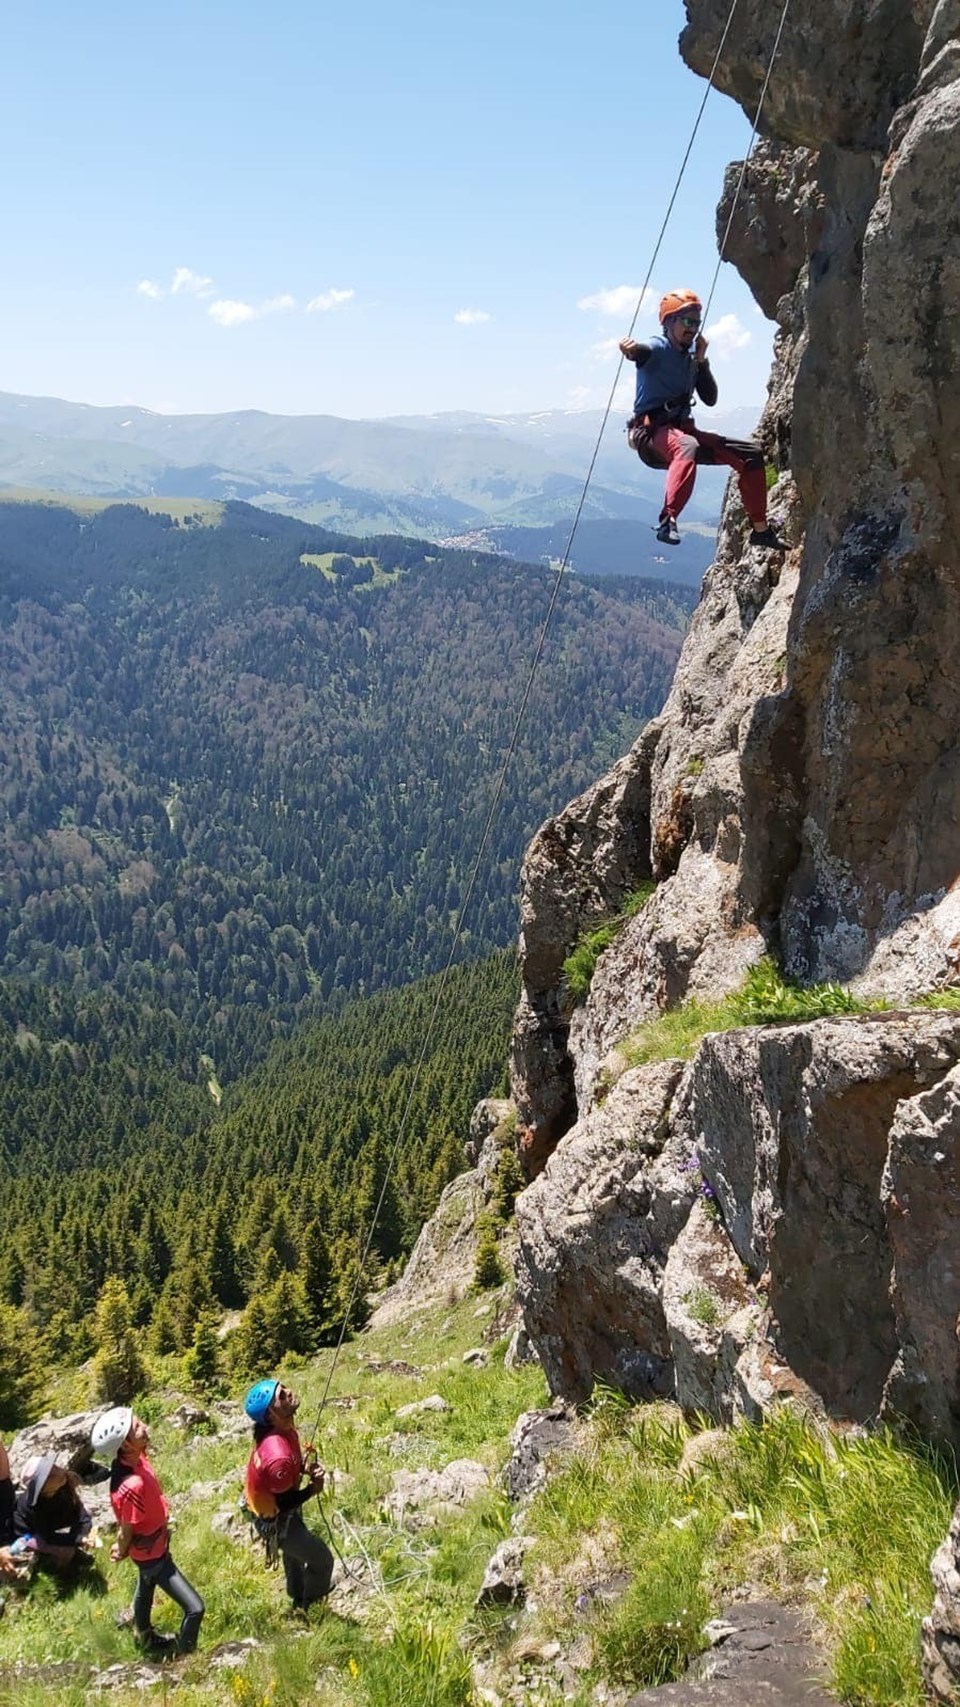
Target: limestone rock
column 67, row 1439
column 489, row 1113
column 793, row 1125
column 760, row 1652
column 941, row 1631
column 540, row 1440
column 416, row 1495
column 801, row 787
column 188, row 1415
column 839, row 74
column 420, row 1407
column 444, row 1257
column 921, row 1195
column 710, row 1310
column 594, row 1230
column 503, row 1583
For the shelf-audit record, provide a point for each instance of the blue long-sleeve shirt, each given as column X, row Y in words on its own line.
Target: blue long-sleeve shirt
column 667, row 379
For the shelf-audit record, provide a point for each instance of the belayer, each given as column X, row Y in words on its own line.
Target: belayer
column 275, row 1469
column 670, row 369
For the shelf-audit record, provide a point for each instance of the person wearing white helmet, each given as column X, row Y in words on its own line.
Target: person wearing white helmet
column 141, row 1512
column 671, row 369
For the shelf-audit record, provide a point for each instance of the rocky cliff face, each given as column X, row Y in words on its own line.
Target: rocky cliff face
column 780, row 1214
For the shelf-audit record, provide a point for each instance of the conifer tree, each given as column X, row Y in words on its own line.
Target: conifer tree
column 250, row 1351
column 488, row 1268
column 20, row 1384
column 201, row 1365
column 316, row 1278
column 286, row 1317
column 118, row 1368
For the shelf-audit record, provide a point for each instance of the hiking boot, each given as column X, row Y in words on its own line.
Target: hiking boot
column 156, row 1647
column 768, row 539
column 668, row 533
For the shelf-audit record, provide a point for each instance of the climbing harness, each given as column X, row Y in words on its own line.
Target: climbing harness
column 535, row 663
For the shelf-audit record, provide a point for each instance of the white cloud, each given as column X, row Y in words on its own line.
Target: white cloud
column 727, row 335
column 618, row 302
column 146, row 287
column 328, row 300
column 605, row 350
column 579, row 397
column 190, row 283
column 227, row 311
column 471, row 316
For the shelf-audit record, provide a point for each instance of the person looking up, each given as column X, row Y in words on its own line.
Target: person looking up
column 275, row 1469
column 141, row 1512
column 670, row 370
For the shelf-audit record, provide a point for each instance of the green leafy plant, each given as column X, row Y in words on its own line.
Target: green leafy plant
column 581, row 963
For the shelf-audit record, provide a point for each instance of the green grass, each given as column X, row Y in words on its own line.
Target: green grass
column 323, row 560
column 581, row 963
column 407, row 1647
column 206, row 512
column 843, row 1525
column 762, row 999
column 847, row 1524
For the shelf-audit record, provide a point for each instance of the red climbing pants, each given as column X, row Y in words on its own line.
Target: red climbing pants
column 680, row 449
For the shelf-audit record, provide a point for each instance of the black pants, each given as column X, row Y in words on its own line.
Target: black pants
column 162, row 1573
column 307, row 1561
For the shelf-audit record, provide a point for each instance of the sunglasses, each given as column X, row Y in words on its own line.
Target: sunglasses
column 690, row 320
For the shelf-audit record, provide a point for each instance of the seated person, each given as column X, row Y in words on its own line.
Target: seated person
column 8, row 1564
column 49, row 1509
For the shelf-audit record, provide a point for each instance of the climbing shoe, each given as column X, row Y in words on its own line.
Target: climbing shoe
column 768, row 538
column 668, row 533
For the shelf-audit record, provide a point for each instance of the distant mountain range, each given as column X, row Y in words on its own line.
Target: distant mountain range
column 428, row 476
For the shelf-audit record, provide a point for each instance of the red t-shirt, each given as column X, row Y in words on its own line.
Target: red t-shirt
column 274, row 1467
column 137, row 1499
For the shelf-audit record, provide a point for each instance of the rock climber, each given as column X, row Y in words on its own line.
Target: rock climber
column 141, row 1512
column 670, row 369
column 272, row 1490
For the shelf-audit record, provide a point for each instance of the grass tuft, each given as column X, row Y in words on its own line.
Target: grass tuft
column 581, row 963
column 764, row 998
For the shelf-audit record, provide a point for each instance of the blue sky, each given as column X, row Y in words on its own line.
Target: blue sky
column 357, row 210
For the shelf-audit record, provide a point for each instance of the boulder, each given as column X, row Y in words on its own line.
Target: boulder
column 760, row 1652
column 941, row 1630
column 793, row 1125
column 921, row 1197
column 67, row 1439
column 417, row 1496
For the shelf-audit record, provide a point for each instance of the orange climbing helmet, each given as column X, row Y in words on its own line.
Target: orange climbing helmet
column 676, row 301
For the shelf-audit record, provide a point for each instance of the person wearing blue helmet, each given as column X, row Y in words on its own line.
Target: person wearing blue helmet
column 259, row 1399
column 275, row 1469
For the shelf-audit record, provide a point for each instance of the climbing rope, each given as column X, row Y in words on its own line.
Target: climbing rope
column 531, row 677
column 746, row 161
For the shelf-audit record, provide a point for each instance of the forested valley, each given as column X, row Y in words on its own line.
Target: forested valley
column 245, row 771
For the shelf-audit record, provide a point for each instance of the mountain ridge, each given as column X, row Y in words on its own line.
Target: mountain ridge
column 410, row 474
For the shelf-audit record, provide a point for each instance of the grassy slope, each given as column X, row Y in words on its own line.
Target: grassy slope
column 843, row 1526
column 409, row 1628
